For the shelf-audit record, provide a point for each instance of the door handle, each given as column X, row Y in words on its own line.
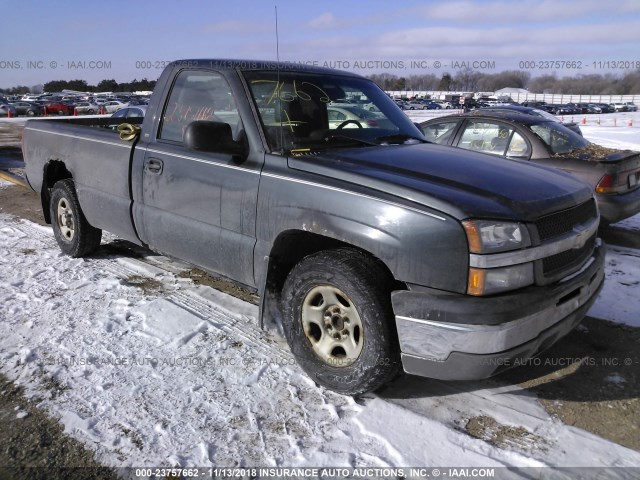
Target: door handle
column 155, row 165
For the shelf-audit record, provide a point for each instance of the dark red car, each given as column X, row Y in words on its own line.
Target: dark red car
column 59, row 108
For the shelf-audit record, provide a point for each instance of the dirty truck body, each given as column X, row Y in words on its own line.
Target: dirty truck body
column 369, row 247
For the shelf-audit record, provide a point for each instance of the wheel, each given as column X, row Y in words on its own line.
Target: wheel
column 347, row 122
column 338, row 321
column 31, row 113
column 73, row 233
column 90, row 111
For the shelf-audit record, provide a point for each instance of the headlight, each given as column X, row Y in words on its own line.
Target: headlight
column 488, row 236
column 494, row 280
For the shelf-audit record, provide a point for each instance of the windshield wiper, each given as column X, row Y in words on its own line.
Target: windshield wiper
column 398, row 138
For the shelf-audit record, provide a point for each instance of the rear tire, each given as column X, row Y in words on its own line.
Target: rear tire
column 73, row 233
column 338, row 321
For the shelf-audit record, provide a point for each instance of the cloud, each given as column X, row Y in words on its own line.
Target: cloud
column 505, row 46
column 326, row 21
column 524, row 12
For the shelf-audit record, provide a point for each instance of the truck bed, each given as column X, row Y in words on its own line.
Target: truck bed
column 95, row 159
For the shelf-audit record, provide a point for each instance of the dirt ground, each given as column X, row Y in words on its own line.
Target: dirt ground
column 33, row 446
column 590, row 379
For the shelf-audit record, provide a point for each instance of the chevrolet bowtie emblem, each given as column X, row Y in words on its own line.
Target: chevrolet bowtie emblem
column 581, row 236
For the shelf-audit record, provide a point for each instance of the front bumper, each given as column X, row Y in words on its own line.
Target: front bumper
column 460, row 337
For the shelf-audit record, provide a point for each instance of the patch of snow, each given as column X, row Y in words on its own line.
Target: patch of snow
column 615, row 378
column 181, row 375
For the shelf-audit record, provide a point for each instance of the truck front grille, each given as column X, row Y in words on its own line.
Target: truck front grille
column 563, row 222
column 559, row 224
column 568, row 259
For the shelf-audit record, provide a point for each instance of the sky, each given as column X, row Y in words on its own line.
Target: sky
column 127, row 40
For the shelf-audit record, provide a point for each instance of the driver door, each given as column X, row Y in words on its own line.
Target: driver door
column 200, row 206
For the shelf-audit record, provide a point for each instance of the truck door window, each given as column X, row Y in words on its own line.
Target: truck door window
column 197, row 95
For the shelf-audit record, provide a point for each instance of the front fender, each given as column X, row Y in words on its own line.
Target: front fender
column 418, row 246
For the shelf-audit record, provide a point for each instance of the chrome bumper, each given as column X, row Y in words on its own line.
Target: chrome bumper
column 458, row 337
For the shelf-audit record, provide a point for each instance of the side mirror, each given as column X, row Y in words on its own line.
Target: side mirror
column 208, row 136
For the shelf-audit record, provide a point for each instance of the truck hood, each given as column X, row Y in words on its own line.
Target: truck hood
column 458, row 182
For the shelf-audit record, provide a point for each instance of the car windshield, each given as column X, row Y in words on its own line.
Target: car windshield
column 303, row 111
column 559, row 138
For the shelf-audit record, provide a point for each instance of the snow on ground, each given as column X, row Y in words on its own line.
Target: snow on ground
column 148, row 369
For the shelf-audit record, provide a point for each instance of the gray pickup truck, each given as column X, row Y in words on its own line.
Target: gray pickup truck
column 370, row 248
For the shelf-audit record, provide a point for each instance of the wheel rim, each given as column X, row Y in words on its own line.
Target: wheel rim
column 66, row 221
column 332, row 326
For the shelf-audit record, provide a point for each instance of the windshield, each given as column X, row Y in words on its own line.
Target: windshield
column 559, row 138
column 303, row 111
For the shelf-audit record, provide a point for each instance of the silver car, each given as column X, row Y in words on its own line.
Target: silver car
column 6, row 109
column 87, row 108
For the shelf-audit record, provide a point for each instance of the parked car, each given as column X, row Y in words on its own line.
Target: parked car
column 613, row 174
column 619, row 107
column 431, row 105
column 414, row 105
column 565, row 109
column 444, row 104
column 6, row 109
column 136, row 111
column 532, row 111
column 29, row 109
column 372, row 107
column 594, row 108
column 354, row 117
column 605, row 107
column 534, row 104
column 113, row 106
column 631, row 107
column 87, row 108
column 58, row 108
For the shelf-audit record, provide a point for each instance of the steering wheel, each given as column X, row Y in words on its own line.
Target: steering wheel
column 347, row 122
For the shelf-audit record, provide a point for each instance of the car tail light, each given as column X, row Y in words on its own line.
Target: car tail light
column 606, row 184
column 372, row 123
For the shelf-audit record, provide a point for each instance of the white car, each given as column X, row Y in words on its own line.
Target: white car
column 443, row 104
column 113, row 106
column 414, row 106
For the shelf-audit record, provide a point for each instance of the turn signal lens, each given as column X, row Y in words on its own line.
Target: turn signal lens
column 476, row 281
column 473, row 236
column 606, row 184
column 496, row 280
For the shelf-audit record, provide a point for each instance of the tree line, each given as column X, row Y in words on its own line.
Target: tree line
column 82, row 86
column 474, row 81
column 464, row 80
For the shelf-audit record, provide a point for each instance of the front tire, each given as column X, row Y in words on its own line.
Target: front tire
column 73, row 233
column 338, row 321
